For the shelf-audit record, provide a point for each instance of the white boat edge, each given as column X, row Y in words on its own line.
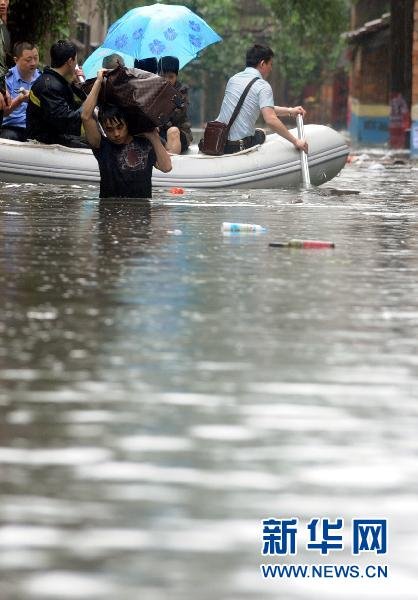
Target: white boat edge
column 275, row 164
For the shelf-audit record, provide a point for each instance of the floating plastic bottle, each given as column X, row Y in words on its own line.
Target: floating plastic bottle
column 303, row 244
column 235, row 227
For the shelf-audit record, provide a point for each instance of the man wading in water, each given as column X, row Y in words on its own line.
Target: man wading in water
column 125, row 161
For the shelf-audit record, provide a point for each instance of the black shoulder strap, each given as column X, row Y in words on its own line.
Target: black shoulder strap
column 241, row 102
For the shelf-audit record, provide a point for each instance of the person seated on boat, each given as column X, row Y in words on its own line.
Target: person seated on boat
column 19, row 80
column 146, row 64
column 53, row 115
column 176, row 134
column 243, row 133
column 112, row 61
column 125, row 162
column 4, row 55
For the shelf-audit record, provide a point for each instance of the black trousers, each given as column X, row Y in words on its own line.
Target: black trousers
column 259, row 137
column 18, row 134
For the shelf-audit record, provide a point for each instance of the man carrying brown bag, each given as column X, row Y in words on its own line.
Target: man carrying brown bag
column 147, row 100
column 125, row 161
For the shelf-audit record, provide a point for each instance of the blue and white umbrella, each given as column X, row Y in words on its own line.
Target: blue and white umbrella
column 160, row 30
column 94, row 62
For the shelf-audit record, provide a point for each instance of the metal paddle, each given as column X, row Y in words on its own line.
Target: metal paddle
column 306, row 178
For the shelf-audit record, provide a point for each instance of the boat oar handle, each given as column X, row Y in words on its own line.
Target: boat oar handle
column 306, row 178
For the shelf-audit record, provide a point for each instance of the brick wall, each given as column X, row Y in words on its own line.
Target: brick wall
column 369, row 80
column 368, row 111
column 89, row 27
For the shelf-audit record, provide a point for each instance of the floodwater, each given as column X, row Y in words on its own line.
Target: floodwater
column 165, row 388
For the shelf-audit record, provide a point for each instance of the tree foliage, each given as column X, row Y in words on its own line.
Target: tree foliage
column 40, row 21
column 114, row 9
column 309, row 42
column 305, row 34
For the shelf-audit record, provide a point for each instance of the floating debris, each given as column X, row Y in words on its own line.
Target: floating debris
column 239, row 227
column 303, row 244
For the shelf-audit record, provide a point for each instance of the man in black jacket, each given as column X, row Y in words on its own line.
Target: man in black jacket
column 53, row 115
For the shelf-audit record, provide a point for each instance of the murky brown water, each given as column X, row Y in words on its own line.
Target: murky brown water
column 165, row 388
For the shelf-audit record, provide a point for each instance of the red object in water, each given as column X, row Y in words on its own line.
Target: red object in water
column 177, row 191
column 303, row 244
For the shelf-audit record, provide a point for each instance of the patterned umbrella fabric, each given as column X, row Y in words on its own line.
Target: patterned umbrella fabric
column 94, row 62
column 160, row 30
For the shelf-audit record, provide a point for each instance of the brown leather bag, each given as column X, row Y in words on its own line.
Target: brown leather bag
column 147, row 100
column 215, row 135
column 214, row 138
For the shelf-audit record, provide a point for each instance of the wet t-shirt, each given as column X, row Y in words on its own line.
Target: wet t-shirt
column 125, row 170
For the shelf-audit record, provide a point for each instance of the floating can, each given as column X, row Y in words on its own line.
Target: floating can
column 243, row 227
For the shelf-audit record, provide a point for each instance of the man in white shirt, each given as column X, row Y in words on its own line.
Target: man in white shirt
column 243, row 134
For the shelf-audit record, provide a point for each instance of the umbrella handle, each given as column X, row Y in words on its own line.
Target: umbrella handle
column 306, row 178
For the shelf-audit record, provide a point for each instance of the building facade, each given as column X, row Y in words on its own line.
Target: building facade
column 369, row 82
column 89, row 27
column 383, row 95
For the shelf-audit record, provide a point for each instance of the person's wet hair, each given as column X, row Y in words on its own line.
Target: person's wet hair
column 111, row 113
column 61, row 51
column 257, row 53
column 112, row 61
column 168, row 64
column 146, row 64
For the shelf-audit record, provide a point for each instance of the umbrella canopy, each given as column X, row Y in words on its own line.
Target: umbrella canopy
column 160, row 30
column 94, row 62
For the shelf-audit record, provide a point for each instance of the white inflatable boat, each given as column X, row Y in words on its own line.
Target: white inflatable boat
column 275, row 164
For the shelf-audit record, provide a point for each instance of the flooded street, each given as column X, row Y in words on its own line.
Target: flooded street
column 164, row 387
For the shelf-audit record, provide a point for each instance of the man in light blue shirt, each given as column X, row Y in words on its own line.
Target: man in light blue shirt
column 243, row 134
column 4, row 51
column 19, row 81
